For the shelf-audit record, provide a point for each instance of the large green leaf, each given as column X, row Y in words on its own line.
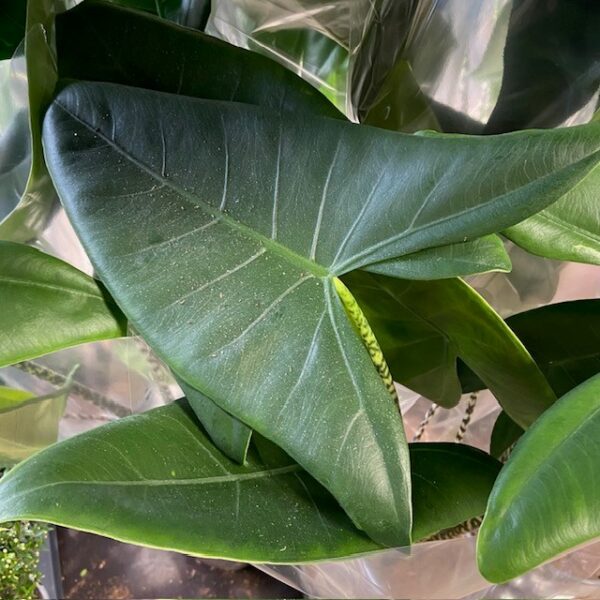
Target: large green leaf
column 222, row 253
column 563, row 339
column 229, row 434
column 156, row 479
column 451, row 484
column 187, row 62
column 32, row 422
column 48, row 305
column 546, row 499
column 423, row 326
column 195, row 500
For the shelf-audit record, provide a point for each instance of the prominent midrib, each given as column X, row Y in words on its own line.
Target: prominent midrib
column 197, row 481
column 274, row 246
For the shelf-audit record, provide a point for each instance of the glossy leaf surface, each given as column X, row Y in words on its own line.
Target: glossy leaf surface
column 48, row 305
column 546, row 499
column 229, row 434
column 563, row 339
column 268, row 510
column 210, row 218
column 424, row 326
column 187, row 62
column 156, row 479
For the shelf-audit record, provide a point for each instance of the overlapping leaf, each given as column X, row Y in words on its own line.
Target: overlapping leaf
column 567, row 230
column 48, row 305
column 164, row 484
column 222, row 252
column 563, row 339
column 185, row 62
column 229, row 434
column 193, row 64
column 546, row 499
column 423, row 326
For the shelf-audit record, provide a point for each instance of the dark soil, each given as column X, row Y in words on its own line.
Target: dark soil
column 95, row 567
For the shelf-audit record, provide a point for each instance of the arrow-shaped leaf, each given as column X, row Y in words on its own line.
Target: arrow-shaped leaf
column 48, row 305
column 222, row 253
column 546, row 499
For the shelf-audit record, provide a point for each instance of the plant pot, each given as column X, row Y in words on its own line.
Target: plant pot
column 51, row 585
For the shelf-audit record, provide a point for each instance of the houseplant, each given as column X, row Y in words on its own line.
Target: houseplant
column 201, row 268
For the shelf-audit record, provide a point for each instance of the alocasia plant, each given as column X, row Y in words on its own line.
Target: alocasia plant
column 265, row 247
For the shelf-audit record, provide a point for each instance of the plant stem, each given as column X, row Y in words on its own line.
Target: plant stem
column 78, row 389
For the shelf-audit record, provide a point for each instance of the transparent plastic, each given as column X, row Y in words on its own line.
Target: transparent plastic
column 455, row 51
column 350, row 49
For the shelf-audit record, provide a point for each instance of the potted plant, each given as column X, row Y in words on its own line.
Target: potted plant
column 288, row 266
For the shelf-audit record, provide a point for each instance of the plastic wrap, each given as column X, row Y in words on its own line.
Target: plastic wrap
column 445, row 60
column 453, row 65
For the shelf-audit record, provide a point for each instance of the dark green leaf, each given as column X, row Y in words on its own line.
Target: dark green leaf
column 451, row 484
column 48, row 305
column 400, row 105
column 229, row 434
column 563, row 339
column 504, row 434
column 223, row 253
column 423, row 326
column 156, row 479
column 546, row 499
column 186, row 62
column 268, row 510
